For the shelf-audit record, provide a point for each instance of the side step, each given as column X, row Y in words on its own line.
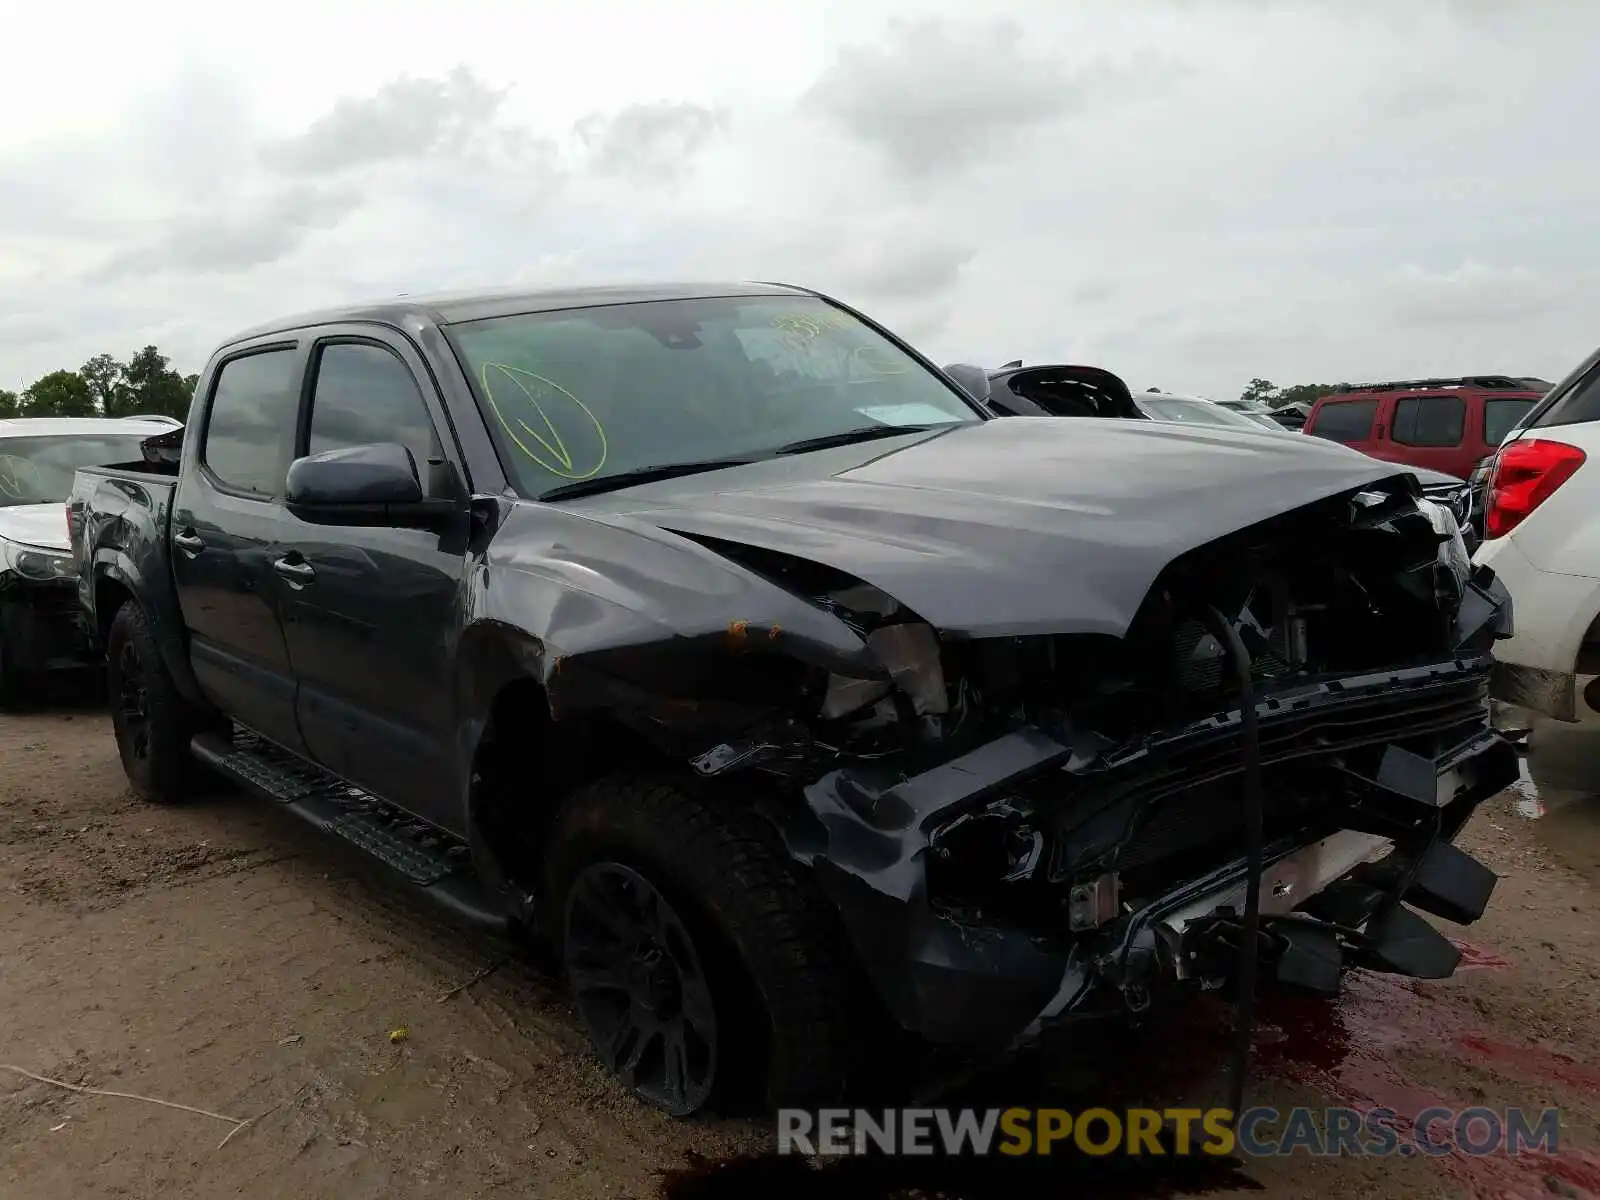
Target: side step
column 429, row 860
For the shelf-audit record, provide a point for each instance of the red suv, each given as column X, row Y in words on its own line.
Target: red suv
column 1445, row 425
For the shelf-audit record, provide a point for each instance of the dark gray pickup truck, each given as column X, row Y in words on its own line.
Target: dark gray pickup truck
column 717, row 636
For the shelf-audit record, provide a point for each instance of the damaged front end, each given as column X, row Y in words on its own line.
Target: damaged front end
column 1021, row 832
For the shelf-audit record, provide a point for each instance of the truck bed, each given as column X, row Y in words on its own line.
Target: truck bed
column 117, row 519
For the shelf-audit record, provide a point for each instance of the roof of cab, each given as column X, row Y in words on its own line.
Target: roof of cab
column 448, row 308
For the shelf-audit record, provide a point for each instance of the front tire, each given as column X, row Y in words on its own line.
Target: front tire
column 153, row 722
column 703, row 963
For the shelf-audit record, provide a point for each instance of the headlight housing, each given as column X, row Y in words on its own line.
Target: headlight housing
column 1453, row 555
column 1457, row 497
column 908, row 650
column 36, row 563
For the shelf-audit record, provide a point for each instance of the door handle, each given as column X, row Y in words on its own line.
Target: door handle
column 189, row 542
column 297, row 573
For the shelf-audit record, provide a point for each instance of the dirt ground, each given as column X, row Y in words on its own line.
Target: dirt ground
column 220, row 956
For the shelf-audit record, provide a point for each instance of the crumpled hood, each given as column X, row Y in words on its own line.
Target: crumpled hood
column 36, row 525
column 1014, row 526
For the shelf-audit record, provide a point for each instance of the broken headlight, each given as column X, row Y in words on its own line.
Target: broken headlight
column 980, row 859
column 1453, row 556
column 908, row 650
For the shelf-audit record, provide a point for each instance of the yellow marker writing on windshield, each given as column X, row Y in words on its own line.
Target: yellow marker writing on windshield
column 801, row 329
column 553, row 453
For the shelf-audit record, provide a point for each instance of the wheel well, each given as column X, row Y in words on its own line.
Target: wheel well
column 109, row 597
column 1589, row 650
column 527, row 762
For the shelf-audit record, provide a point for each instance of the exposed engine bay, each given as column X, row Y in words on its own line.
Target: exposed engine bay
column 1021, row 831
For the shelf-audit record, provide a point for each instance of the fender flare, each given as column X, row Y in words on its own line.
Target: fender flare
column 172, row 639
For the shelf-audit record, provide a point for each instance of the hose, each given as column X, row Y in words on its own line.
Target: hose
column 1255, row 837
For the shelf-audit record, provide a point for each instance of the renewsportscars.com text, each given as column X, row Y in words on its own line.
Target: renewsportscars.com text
column 1260, row 1132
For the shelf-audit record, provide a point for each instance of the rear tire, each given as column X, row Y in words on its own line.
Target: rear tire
column 153, row 722
column 684, row 918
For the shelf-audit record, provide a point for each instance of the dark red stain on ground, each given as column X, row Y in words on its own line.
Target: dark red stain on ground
column 1476, row 958
column 1348, row 1050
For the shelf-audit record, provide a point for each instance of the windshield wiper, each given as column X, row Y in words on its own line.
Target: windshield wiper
column 865, row 433
column 623, row 479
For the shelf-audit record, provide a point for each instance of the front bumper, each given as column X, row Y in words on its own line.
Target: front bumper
column 1416, row 757
column 40, row 627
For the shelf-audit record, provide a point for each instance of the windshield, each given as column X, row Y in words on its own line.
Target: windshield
column 1193, row 412
column 595, row 393
column 38, row 470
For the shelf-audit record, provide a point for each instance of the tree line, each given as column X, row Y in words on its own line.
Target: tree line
column 1264, row 391
column 106, row 387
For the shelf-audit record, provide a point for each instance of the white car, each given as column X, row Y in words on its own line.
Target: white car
column 1170, row 406
column 39, row 629
column 1542, row 537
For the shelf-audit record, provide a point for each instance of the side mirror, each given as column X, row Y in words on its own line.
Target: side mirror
column 375, row 484
column 973, row 380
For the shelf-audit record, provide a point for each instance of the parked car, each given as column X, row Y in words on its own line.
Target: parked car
column 1542, row 537
column 718, row 636
column 39, row 631
column 1167, row 406
column 1291, row 416
column 1446, row 425
column 1250, row 408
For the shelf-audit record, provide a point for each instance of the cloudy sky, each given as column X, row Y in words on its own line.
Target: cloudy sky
column 1189, row 192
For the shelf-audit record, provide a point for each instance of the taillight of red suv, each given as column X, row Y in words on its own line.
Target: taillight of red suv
column 1526, row 474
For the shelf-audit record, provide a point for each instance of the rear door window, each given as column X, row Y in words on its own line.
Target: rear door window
column 1429, row 420
column 1345, row 420
column 1500, row 417
column 250, row 424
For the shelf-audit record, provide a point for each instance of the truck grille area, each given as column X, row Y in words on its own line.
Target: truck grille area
column 1147, row 807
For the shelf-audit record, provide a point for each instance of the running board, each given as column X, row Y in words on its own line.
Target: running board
column 428, row 859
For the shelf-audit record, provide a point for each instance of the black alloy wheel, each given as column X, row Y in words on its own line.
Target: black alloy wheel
column 641, row 987
column 133, row 702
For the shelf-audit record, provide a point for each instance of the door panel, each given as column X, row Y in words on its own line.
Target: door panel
column 370, row 613
column 226, row 520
